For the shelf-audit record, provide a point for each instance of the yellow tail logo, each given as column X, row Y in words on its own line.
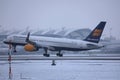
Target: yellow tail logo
column 97, row 32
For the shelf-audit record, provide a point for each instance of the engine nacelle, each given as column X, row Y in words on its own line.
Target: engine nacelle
column 30, row 48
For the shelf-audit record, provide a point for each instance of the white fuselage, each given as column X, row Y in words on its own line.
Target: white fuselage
column 55, row 43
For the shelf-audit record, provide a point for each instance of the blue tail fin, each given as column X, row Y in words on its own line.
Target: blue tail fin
column 95, row 35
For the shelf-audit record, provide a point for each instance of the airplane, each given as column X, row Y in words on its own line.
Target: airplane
column 34, row 43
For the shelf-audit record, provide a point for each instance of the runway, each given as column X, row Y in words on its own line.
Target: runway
column 68, row 67
column 67, row 57
column 64, row 70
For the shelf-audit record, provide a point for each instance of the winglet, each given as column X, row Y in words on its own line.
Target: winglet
column 95, row 35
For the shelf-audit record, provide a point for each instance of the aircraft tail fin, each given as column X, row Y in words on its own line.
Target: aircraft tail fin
column 95, row 35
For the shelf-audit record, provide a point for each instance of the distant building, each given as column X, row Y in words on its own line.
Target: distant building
column 78, row 34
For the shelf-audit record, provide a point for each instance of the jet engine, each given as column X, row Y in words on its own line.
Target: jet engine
column 30, row 47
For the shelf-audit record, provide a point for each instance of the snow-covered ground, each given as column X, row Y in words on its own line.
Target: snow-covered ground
column 64, row 70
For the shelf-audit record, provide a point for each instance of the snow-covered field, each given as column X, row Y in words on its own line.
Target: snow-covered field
column 64, row 70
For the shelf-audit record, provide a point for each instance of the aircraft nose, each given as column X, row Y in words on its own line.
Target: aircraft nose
column 5, row 41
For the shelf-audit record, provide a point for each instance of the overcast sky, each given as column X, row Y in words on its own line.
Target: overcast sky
column 55, row 14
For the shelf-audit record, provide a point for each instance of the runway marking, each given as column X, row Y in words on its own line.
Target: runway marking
column 38, row 57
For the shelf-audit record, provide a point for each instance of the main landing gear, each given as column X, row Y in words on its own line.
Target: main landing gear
column 59, row 54
column 46, row 54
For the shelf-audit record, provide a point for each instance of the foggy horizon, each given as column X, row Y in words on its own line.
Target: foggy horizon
column 56, row 14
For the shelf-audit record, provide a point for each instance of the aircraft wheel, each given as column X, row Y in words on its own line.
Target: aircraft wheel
column 14, row 51
column 46, row 55
column 60, row 55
